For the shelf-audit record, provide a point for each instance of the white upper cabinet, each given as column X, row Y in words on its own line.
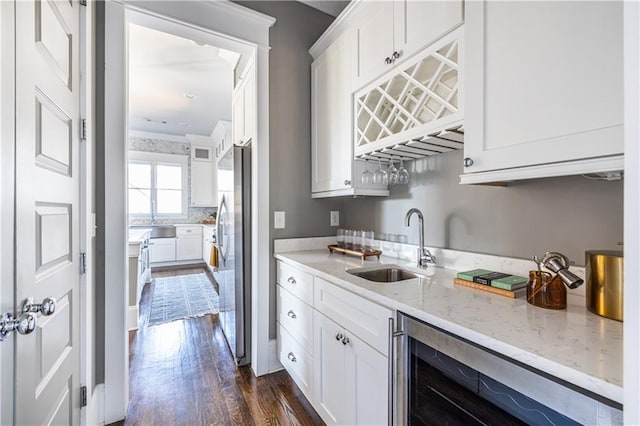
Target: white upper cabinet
column 544, row 89
column 389, row 32
column 244, row 107
column 203, row 176
column 333, row 169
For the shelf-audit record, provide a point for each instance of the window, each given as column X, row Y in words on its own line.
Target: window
column 157, row 185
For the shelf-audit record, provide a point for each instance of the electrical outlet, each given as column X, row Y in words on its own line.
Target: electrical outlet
column 335, row 218
column 278, row 220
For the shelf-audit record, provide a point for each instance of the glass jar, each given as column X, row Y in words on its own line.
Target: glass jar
column 546, row 291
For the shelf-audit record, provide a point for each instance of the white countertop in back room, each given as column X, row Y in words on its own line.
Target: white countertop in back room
column 136, row 235
column 574, row 345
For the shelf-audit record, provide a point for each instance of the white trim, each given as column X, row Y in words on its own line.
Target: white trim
column 274, row 363
column 631, row 324
column 258, row 18
column 161, row 136
column 569, row 168
column 158, row 157
column 348, row 192
column 95, row 406
column 132, row 318
column 339, row 25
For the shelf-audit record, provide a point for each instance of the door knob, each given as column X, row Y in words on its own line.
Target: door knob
column 24, row 324
column 292, row 357
column 46, row 308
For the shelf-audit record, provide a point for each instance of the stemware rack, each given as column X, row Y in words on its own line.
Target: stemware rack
column 415, row 111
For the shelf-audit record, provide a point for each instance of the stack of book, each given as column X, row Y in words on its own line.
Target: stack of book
column 494, row 282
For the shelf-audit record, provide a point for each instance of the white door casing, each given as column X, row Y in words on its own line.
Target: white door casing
column 47, row 208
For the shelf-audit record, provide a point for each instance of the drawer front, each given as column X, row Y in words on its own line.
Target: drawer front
column 367, row 320
column 297, row 282
column 184, row 231
column 297, row 362
column 296, row 317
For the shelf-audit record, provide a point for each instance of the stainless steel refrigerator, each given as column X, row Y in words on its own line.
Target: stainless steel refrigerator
column 234, row 250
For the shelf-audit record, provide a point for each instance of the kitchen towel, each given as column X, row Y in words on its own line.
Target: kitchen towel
column 213, row 259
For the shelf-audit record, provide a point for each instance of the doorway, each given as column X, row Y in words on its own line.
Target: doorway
column 226, row 23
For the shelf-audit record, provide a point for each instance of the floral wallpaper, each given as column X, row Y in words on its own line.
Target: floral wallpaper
column 195, row 214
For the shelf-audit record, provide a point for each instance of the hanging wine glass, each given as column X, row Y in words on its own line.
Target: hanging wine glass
column 380, row 176
column 392, row 172
column 403, row 174
column 367, row 176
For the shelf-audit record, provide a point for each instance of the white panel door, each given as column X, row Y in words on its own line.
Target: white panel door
column 189, row 248
column 543, row 82
column 47, row 208
column 375, row 41
column 331, row 146
column 202, row 179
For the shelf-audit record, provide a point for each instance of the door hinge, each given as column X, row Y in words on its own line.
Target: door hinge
column 83, row 263
column 83, row 129
column 83, row 396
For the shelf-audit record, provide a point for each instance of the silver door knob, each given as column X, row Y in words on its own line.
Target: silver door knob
column 388, row 60
column 46, row 308
column 468, row 162
column 345, row 340
column 24, row 324
column 292, row 314
column 347, row 182
column 338, row 336
column 292, row 357
column 291, row 280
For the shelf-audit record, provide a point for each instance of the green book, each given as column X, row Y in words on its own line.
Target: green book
column 511, row 283
column 470, row 275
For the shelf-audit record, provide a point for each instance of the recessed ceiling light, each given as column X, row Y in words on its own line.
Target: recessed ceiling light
column 190, row 96
column 182, row 123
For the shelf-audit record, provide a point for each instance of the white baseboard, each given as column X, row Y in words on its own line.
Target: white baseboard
column 132, row 318
column 274, row 363
column 95, row 407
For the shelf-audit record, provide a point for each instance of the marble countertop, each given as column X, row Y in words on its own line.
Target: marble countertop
column 574, row 345
column 137, row 235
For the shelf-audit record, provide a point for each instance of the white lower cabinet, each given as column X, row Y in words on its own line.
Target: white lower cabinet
column 188, row 248
column 162, row 250
column 335, row 360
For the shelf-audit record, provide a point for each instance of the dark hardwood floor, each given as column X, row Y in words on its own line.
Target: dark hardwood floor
column 182, row 373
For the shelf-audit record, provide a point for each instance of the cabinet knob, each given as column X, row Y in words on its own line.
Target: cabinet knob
column 291, row 280
column 347, row 182
column 339, row 336
column 468, row 162
column 292, row 357
column 395, row 55
column 292, row 314
column 388, row 60
column 345, row 340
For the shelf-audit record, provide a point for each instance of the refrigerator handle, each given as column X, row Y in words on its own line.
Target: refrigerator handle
column 219, row 236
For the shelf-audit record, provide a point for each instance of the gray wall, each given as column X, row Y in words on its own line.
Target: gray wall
column 297, row 27
column 567, row 214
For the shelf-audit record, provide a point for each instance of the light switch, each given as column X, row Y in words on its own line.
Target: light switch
column 335, row 218
column 278, row 220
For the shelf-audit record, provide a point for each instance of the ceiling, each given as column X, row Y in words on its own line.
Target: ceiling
column 165, row 71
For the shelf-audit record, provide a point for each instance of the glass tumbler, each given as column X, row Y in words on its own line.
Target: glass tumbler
column 546, row 291
column 367, row 241
column 349, row 235
column 340, row 238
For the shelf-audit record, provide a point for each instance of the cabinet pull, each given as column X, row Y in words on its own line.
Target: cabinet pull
column 345, row 340
column 292, row 314
column 291, row 280
column 395, row 55
column 347, row 182
column 338, row 336
column 388, row 60
column 467, row 162
column 292, row 357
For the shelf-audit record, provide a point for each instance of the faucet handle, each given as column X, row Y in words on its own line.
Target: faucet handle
column 425, row 257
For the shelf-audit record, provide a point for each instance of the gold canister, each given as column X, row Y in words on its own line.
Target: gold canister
column 605, row 283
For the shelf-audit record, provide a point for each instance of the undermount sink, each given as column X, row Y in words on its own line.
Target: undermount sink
column 388, row 274
column 164, row 231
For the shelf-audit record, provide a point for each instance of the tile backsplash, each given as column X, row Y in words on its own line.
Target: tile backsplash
column 161, row 146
